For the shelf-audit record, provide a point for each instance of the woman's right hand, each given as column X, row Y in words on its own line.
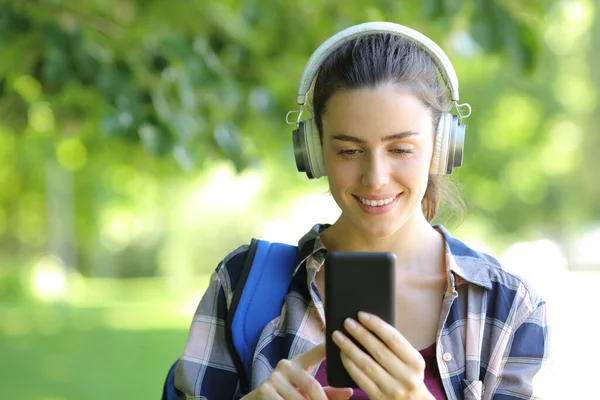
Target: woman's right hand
column 291, row 381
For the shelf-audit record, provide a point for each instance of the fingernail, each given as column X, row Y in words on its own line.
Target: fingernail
column 338, row 337
column 350, row 323
column 364, row 316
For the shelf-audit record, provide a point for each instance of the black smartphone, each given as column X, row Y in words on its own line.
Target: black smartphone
column 355, row 281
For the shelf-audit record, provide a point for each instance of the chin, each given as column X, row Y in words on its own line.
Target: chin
column 381, row 226
column 380, row 230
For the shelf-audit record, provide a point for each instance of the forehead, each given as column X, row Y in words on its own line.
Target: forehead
column 383, row 109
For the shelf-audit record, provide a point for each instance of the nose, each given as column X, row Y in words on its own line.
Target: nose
column 375, row 173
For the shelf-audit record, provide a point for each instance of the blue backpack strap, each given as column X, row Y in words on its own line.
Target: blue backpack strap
column 235, row 267
column 258, row 299
column 169, row 390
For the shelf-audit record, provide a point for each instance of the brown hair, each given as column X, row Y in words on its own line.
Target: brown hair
column 380, row 58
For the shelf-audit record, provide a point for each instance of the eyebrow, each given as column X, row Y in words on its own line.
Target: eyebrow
column 395, row 136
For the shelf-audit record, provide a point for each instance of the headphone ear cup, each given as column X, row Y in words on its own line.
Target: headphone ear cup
column 315, row 149
column 308, row 150
column 439, row 159
column 449, row 145
column 456, row 144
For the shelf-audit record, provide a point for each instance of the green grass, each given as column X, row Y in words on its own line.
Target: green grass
column 97, row 364
column 118, row 351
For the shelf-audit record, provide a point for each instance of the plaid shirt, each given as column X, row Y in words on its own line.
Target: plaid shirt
column 492, row 337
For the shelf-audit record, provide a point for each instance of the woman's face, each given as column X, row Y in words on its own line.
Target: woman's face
column 377, row 147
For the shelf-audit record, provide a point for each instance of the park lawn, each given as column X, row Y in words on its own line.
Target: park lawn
column 122, row 351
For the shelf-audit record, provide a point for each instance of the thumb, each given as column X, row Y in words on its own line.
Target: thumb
column 338, row 393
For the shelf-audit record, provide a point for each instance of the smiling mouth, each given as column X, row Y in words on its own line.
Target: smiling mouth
column 377, row 203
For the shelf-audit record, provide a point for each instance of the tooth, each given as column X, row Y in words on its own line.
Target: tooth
column 376, row 203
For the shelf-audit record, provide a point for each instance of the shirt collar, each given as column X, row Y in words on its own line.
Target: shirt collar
column 310, row 244
column 470, row 265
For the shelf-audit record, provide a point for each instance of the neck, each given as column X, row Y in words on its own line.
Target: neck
column 414, row 242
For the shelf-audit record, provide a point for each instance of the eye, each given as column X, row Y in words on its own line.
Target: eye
column 402, row 152
column 350, row 153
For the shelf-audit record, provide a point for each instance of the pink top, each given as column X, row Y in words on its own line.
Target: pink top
column 432, row 376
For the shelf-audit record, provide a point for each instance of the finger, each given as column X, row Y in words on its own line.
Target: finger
column 301, row 379
column 378, row 350
column 308, row 385
column 266, row 391
column 361, row 378
column 390, row 389
column 393, row 339
column 369, row 368
column 311, row 358
column 284, row 387
column 338, row 393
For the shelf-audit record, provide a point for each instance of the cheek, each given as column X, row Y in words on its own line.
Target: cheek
column 414, row 166
column 337, row 169
column 413, row 174
column 341, row 175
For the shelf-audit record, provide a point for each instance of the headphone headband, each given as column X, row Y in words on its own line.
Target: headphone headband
column 437, row 55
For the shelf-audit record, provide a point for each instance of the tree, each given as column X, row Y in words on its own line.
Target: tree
column 147, row 89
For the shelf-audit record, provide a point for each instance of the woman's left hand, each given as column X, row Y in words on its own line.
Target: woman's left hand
column 392, row 369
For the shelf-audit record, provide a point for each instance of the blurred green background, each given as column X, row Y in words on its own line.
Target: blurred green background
column 142, row 140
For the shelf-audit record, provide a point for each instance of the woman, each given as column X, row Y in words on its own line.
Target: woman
column 465, row 328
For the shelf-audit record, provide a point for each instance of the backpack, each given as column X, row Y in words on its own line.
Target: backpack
column 266, row 273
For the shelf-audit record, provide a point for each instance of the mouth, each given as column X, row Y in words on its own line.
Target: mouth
column 377, row 202
column 379, row 205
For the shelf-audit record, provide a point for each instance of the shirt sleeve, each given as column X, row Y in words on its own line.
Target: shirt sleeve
column 206, row 369
column 524, row 372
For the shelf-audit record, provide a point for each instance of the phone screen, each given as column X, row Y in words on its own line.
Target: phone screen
column 355, row 281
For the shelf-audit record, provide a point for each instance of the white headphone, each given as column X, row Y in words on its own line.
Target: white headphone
column 450, row 134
